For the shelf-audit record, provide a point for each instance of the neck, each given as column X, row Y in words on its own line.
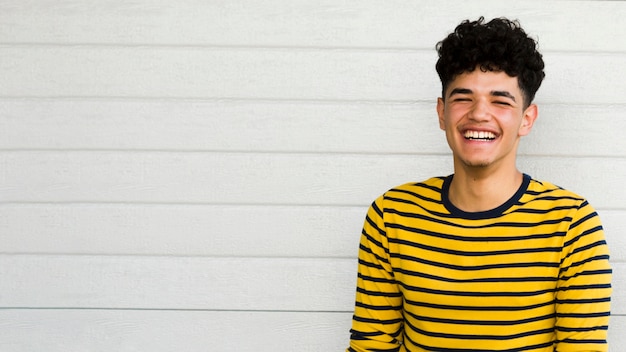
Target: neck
column 476, row 190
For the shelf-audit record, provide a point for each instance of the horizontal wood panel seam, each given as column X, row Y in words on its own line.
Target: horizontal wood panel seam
column 240, row 47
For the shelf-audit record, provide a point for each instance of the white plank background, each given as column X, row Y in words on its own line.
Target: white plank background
column 194, row 175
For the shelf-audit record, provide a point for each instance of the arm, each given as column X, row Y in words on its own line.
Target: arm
column 584, row 288
column 377, row 322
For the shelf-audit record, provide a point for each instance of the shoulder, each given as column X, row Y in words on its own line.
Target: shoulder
column 430, row 188
column 549, row 191
column 426, row 194
column 546, row 196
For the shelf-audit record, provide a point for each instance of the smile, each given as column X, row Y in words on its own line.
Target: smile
column 479, row 135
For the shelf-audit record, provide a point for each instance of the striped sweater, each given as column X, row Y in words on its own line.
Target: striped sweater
column 530, row 275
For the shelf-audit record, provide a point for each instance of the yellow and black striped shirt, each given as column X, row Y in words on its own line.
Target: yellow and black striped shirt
column 531, row 275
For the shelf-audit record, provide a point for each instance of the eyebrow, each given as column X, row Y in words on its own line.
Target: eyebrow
column 502, row 93
column 495, row 93
column 459, row 91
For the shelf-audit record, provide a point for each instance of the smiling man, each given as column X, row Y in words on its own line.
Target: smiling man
column 488, row 258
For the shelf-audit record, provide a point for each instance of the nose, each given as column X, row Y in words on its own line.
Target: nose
column 480, row 111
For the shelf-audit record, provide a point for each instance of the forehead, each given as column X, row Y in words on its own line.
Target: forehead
column 480, row 82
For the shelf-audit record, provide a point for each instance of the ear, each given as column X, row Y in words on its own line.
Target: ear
column 528, row 120
column 440, row 112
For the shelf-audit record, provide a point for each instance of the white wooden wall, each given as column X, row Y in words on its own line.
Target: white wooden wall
column 193, row 175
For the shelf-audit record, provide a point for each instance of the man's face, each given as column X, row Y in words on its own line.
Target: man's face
column 483, row 117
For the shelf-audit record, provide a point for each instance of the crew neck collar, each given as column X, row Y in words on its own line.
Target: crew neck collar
column 495, row 212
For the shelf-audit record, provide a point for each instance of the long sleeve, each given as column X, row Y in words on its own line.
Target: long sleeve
column 584, row 289
column 377, row 323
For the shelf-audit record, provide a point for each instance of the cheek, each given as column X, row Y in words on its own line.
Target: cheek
column 509, row 117
column 448, row 121
column 458, row 108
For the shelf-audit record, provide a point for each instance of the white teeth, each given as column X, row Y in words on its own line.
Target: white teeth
column 479, row 135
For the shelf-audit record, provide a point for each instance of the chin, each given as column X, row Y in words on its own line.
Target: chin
column 477, row 163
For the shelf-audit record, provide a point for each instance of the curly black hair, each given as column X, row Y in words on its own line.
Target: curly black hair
column 499, row 45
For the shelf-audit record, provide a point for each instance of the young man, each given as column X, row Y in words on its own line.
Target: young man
column 486, row 259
